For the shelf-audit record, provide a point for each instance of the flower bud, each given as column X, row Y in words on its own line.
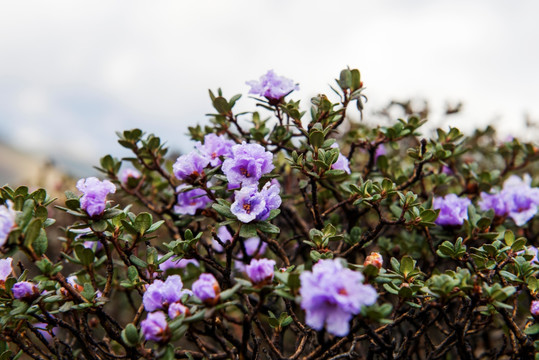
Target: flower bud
column 374, row 259
column 176, row 309
column 207, row 289
column 260, row 271
column 24, row 290
column 155, row 327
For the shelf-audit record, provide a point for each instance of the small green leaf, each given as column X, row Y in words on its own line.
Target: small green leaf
column 143, row 222
column 32, row 232
column 407, row 265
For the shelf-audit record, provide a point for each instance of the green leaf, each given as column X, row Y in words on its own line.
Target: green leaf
column 316, row 138
column 143, row 222
column 532, row 330
column 221, row 105
column 99, row 226
column 267, row 227
column 248, row 230
column 130, row 335
column 32, row 232
column 88, row 292
column 138, row 262
column 85, row 255
column 40, row 244
column 132, row 273
column 155, row 226
column 224, row 211
column 407, row 265
column 509, row 237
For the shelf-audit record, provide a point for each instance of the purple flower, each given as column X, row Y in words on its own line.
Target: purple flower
column 453, row 210
column 127, row 174
column 89, row 244
column 380, row 150
column 332, row 294
column 248, row 204
column 272, row 86
column 177, row 264
column 7, row 221
column 247, row 165
column 270, row 193
column 5, row 268
column 517, row 199
column 155, row 327
column 342, row 162
column 191, row 200
column 214, row 147
column 24, row 290
column 94, row 245
column 224, row 235
column 161, row 294
column 260, row 271
column 534, row 308
column 43, row 329
column 176, row 309
column 207, row 289
column 254, row 246
column 95, row 194
column 446, row 170
column 190, row 165
column 494, row 202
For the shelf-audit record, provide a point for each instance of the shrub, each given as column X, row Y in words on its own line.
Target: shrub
column 281, row 236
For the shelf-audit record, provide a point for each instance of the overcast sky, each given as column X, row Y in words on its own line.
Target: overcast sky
column 73, row 72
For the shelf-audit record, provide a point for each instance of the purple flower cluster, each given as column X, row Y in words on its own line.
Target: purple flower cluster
column 260, row 271
column 453, row 210
column 160, row 295
column 207, row 289
column 332, row 294
column 272, row 86
column 247, row 164
column 190, row 201
column 94, row 198
column 7, row 221
column 517, row 199
column 5, row 269
column 155, row 327
column 190, row 166
column 251, row 204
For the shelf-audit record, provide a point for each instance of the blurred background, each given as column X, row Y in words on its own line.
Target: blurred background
column 73, row 73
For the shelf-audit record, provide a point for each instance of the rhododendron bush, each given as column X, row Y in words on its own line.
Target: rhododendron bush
column 288, row 232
